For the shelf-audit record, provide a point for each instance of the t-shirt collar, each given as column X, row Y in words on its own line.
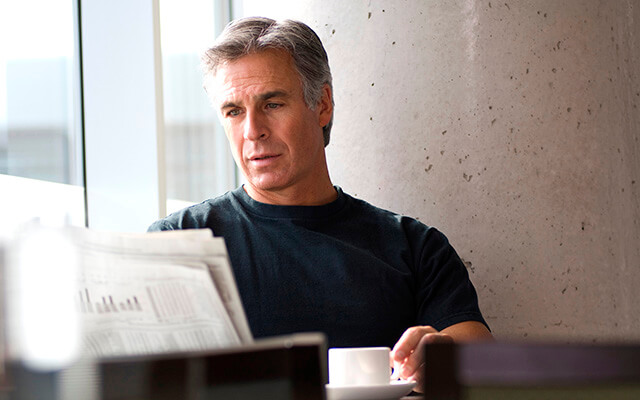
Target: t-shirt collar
column 291, row 212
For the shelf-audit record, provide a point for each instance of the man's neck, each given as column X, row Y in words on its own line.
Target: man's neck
column 298, row 196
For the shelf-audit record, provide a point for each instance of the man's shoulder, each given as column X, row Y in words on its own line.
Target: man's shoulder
column 395, row 225
column 366, row 208
column 196, row 216
column 383, row 215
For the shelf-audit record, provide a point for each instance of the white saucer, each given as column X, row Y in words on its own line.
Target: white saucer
column 393, row 390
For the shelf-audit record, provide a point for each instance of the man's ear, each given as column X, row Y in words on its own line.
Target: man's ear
column 325, row 106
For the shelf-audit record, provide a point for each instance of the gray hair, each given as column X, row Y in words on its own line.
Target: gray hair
column 254, row 34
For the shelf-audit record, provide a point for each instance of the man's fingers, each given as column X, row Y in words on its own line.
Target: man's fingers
column 418, row 374
column 408, row 342
column 411, row 366
column 412, row 363
column 407, row 355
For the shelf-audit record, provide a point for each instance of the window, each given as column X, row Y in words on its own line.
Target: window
column 132, row 159
column 41, row 168
column 199, row 164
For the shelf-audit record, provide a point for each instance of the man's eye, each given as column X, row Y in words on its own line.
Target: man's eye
column 273, row 105
column 233, row 113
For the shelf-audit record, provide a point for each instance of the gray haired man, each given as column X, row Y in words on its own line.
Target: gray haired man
column 306, row 255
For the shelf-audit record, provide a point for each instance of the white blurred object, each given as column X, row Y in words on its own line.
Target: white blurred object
column 43, row 326
column 3, row 290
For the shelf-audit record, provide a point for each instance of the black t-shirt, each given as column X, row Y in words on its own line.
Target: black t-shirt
column 360, row 274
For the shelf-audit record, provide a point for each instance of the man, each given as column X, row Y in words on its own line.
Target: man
column 307, row 256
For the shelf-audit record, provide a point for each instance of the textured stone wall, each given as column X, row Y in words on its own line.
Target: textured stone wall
column 513, row 127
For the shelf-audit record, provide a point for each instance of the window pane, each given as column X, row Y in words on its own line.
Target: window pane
column 199, row 163
column 40, row 129
column 38, row 135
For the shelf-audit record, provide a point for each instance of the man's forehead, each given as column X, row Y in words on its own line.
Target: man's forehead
column 254, row 75
column 237, row 90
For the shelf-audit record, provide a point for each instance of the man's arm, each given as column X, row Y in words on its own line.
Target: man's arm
column 468, row 331
column 407, row 356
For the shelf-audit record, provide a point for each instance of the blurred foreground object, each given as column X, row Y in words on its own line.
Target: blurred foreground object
column 43, row 328
column 532, row 371
column 291, row 367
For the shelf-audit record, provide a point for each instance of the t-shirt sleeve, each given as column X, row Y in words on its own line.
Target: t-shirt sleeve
column 160, row 225
column 193, row 217
column 445, row 294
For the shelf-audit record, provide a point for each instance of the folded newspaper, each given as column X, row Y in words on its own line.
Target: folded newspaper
column 133, row 294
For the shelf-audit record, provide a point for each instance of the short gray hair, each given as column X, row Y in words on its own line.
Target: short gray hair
column 254, row 34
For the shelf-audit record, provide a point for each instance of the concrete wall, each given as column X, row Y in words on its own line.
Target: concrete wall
column 511, row 126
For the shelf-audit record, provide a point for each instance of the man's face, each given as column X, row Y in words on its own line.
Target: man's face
column 275, row 138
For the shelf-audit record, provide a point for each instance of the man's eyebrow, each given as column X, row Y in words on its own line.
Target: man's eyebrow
column 228, row 104
column 272, row 94
column 262, row 97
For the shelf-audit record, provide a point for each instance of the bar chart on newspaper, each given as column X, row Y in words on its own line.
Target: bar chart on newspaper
column 106, row 304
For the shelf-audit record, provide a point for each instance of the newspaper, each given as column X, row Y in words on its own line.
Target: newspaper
column 152, row 293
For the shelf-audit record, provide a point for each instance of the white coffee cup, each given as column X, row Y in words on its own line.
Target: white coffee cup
column 359, row 366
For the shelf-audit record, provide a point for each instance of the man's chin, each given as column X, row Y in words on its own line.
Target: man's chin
column 265, row 185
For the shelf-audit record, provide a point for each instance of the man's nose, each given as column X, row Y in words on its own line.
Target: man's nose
column 255, row 127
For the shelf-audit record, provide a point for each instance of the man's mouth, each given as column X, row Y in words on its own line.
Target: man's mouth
column 263, row 159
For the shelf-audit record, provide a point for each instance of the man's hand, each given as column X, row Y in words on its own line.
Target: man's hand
column 407, row 356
